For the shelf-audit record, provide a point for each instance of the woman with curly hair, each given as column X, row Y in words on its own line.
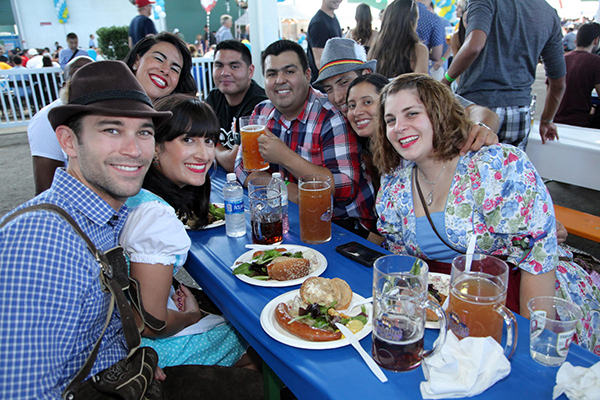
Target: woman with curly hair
column 432, row 200
column 397, row 48
column 363, row 33
column 163, row 64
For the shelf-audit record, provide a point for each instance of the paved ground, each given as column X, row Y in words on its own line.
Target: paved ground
column 16, row 171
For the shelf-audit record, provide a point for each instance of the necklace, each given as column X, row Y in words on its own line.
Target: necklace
column 429, row 198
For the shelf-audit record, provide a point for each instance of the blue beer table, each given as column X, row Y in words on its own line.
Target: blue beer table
column 337, row 373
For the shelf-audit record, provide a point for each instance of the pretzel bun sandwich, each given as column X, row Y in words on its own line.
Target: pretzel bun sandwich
column 279, row 264
column 288, row 268
column 312, row 314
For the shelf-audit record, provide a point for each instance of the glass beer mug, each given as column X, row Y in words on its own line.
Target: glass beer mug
column 476, row 302
column 399, row 313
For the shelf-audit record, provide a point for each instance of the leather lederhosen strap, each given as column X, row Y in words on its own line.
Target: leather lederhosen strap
column 134, row 373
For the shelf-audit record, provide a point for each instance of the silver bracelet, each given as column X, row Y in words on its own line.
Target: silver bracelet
column 484, row 126
column 547, row 121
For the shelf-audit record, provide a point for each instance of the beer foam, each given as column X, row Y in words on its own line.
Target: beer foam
column 253, row 128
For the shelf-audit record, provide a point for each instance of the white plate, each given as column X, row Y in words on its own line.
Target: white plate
column 270, row 325
column 247, row 257
column 215, row 224
column 442, row 283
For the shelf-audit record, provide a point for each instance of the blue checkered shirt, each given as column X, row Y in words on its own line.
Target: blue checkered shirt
column 52, row 307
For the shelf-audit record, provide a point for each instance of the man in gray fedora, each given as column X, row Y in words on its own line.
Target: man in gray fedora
column 343, row 60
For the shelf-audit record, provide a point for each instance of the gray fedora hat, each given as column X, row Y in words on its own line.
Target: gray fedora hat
column 343, row 55
column 106, row 88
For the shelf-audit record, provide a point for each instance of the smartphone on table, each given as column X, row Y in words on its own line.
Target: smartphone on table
column 359, row 253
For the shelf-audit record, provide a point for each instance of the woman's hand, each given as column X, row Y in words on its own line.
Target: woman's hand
column 438, row 64
column 561, row 232
column 159, row 374
column 185, row 300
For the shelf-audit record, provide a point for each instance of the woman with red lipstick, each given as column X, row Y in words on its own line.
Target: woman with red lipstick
column 177, row 186
column 163, row 64
column 432, row 200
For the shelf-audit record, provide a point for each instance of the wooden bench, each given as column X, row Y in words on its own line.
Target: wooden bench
column 579, row 223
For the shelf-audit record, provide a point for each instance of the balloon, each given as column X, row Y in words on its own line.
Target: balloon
column 208, row 4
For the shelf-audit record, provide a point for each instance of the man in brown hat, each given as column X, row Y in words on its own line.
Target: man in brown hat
column 53, row 309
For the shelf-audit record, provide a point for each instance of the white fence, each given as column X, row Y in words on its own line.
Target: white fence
column 26, row 91
column 23, row 92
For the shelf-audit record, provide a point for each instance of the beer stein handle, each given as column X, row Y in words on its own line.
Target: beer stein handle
column 511, row 330
column 437, row 345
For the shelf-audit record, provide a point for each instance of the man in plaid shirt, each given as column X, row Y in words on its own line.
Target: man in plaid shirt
column 306, row 134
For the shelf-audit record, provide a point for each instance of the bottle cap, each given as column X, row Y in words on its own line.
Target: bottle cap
column 231, row 177
column 276, row 175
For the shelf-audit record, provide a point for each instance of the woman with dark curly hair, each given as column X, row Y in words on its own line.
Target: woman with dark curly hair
column 177, row 186
column 432, row 200
column 163, row 64
column 363, row 33
column 398, row 49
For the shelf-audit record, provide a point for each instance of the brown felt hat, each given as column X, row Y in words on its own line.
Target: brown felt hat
column 106, row 88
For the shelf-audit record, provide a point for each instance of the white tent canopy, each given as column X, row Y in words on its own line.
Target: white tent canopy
column 285, row 11
column 573, row 9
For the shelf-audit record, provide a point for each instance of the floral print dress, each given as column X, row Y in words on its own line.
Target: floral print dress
column 496, row 194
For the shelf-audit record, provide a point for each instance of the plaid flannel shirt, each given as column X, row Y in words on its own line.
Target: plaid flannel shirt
column 53, row 309
column 322, row 136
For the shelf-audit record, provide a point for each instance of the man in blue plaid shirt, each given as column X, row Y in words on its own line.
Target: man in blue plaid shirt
column 306, row 134
column 53, row 309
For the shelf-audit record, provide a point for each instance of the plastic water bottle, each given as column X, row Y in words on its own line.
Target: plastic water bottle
column 235, row 220
column 284, row 200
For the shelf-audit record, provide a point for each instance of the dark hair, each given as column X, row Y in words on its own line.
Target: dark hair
column 17, row 60
column 375, row 79
column 363, row 31
column 587, row 33
column 71, row 36
column 449, row 121
column 46, row 61
column 193, row 118
column 281, row 46
column 238, row 46
column 394, row 47
column 186, row 83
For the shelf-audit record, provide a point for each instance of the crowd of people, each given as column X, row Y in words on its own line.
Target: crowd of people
column 45, row 57
column 417, row 168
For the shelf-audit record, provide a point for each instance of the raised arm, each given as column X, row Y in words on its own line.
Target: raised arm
column 470, row 50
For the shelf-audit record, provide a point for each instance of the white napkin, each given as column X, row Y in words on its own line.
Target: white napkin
column 463, row 368
column 578, row 383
